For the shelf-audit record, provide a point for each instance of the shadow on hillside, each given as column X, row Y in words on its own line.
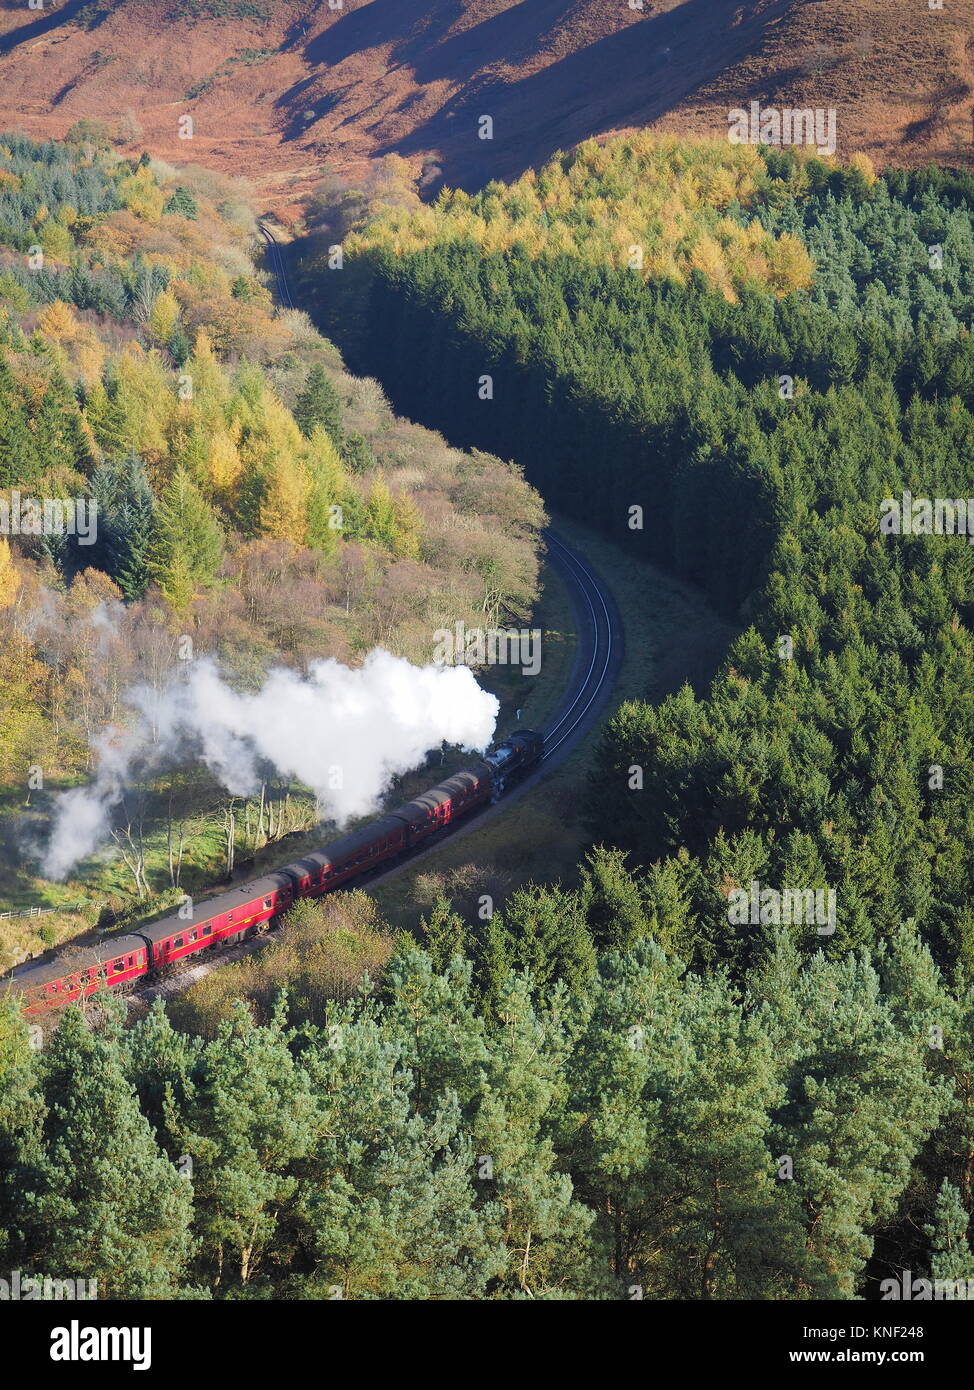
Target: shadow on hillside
column 52, row 20
column 504, row 37
column 627, row 78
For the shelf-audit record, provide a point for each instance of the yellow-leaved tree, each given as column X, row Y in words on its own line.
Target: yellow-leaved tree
column 9, row 578
column 163, row 316
column 146, row 401
column 864, row 165
column 24, row 733
column 223, row 465
column 142, row 195
column 58, row 322
column 791, row 266
column 284, row 506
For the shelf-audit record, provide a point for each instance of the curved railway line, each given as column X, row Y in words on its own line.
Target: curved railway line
column 598, row 655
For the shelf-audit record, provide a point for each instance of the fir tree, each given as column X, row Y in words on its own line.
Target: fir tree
column 187, row 546
column 125, row 523
column 319, row 404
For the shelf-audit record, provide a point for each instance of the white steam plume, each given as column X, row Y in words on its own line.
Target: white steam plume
column 343, row 732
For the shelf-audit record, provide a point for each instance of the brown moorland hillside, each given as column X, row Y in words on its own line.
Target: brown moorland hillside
column 277, row 87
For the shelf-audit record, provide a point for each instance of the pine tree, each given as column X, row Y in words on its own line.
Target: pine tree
column 445, row 934
column 187, row 547
column 245, row 1124
column 357, row 455
column 517, row 1117
column 319, row 404
column 19, row 464
column 106, row 418
column 62, row 442
column 107, row 1205
column 21, row 1117
column 611, row 901
column 125, row 526
column 951, row 1259
column 677, row 1087
column 392, row 1201
column 182, row 203
column 542, row 931
column 861, row 1101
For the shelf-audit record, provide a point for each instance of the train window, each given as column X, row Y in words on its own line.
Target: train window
column 207, row 929
column 177, row 941
column 118, row 964
column 268, row 902
column 193, row 935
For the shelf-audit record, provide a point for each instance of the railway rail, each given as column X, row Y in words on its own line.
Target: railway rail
column 597, row 658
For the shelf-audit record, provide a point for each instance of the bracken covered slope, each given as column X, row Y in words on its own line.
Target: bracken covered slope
column 277, row 87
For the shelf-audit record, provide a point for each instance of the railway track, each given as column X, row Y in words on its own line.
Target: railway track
column 598, row 655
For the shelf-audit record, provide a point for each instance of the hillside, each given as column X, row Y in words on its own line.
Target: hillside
column 277, row 87
column 249, row 492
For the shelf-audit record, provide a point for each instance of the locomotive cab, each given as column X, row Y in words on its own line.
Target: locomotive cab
column 513, row 757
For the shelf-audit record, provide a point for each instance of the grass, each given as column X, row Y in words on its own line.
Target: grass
column 104, row 881
column 672, row 635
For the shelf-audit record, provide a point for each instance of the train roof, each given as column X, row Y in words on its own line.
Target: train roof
column 336, row 851
column 216, row 907
column 421, row 805
column 70, row 960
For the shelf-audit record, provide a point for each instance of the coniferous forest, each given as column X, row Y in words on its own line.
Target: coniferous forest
column 728, row 361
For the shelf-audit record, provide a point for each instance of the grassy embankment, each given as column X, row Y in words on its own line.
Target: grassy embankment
column 672, row 635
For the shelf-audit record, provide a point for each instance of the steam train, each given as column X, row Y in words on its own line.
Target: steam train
column 64, row 978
